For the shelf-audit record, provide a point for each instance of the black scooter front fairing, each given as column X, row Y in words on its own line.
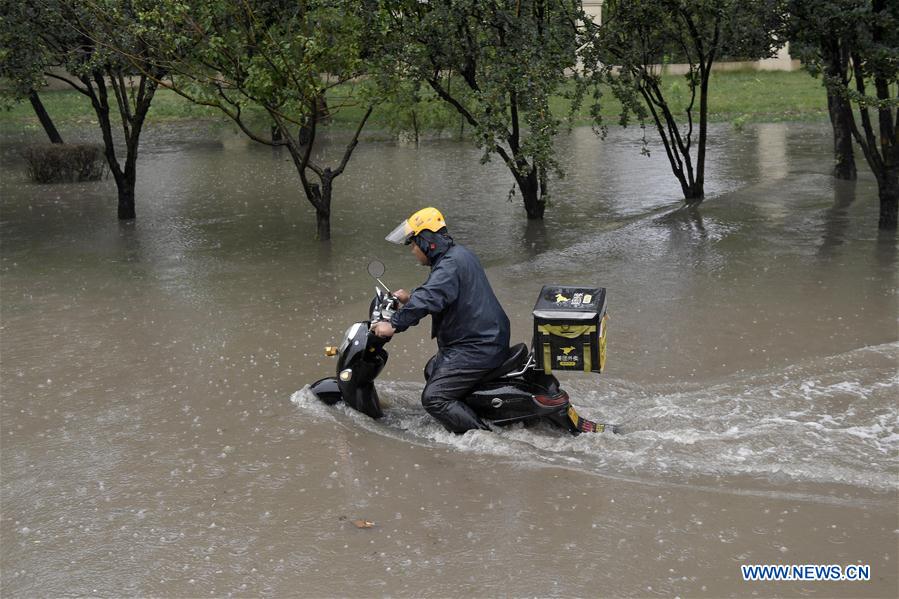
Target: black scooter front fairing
column 360, row 359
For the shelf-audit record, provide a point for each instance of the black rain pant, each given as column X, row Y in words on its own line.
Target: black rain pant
column 443, row 394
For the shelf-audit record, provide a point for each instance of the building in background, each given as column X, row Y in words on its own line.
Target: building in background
column 781, row 62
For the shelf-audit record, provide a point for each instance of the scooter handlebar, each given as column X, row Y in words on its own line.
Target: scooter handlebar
column 383, row 306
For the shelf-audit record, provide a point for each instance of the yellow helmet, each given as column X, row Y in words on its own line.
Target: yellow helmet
column 428, row 219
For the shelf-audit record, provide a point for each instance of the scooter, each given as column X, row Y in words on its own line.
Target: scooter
column 515, row 391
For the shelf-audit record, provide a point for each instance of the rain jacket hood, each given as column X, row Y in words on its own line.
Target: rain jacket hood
column 434, row 245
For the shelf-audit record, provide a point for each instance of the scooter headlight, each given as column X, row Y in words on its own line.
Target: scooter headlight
column 346, row 374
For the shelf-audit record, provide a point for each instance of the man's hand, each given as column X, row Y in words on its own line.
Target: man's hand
column 401, row 295
column 383, row 329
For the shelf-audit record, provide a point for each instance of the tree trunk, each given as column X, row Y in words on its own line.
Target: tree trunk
column 840, row 111
column 322, row 225
column 304, row 136
column 836, row 59
column 694, row 193
column 694, row 190
column 320, row 195
column 840, row 119
column 126, row 177
column 322, row 112
column 129, row 179
column 534, row 204
column 126, row 201
column 44, row 117
column 101, row 108
column 323, row 209
column 888, row 190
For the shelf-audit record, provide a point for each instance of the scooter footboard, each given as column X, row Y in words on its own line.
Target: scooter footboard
column 327, row 390
column 363, row 398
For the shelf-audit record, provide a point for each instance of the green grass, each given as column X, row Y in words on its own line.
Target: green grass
column 70, row 107
column 740, row 97
column 766, row 96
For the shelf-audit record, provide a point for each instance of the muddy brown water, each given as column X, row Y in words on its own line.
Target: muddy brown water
column 157, row 439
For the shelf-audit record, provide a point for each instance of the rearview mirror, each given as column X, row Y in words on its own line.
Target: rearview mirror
column 376, row 268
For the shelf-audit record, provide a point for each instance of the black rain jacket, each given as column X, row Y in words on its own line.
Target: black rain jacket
column 471, row 328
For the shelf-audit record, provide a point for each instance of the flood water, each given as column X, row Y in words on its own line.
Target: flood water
column 158, row 440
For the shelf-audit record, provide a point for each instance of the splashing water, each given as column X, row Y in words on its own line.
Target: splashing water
column 825, row 421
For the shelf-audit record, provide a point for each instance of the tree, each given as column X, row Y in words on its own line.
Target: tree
column 410, row 109
column 633, row 42
column 497, row 62
column 44, row 117
column 22, row 61
column 820, row 34
column 66, row 41
column 276, row 58
column 854, row 45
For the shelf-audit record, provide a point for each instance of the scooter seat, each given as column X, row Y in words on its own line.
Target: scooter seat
column 515, row 360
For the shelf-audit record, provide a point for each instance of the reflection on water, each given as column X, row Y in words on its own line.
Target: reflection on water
column 685, row 220
column 534, row 240
column 887, row 250
column 773, row 158
column 837, row 219
column 149, row 446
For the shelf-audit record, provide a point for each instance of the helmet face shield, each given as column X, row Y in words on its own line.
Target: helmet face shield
column 426, row 219
column 401, row 234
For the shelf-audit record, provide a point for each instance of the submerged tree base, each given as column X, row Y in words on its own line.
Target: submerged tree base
column 889, row 208
column 65, row 163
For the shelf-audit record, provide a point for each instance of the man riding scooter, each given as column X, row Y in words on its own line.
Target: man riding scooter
column 471, row 328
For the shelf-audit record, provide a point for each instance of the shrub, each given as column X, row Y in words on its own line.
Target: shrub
column 65, row 163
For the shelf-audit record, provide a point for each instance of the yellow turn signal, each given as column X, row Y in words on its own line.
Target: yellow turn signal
column 330, row 350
